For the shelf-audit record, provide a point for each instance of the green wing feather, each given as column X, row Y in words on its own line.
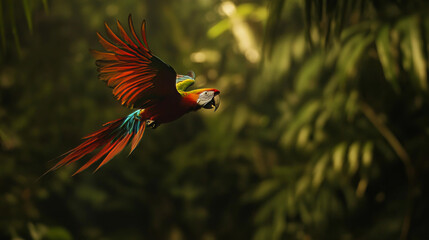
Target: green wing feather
column 183, row 82
column 183, row 85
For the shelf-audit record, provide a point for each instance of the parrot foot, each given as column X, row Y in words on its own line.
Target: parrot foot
column 152, row 124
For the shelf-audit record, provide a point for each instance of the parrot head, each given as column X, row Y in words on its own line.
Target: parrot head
column 208, row 98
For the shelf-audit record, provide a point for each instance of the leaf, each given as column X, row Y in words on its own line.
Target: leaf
column 307, row 22
column 388, row 62
column 302, row 185
column 270, row 206
column 45, row 5
column 304, row 213
column 2, row 27
column 349, row 32
column 351, row 104
column 361, row 188
column 271, row 32
column 308, row 74
column 279, row 222
column 354, row 157
column 219, row 28
column 319, row 170
column 426, row 36
column 276, row 66
column 338, row 156
column 245, row 9
column 27, row 10
column 298, row 48
column 305, row 115
column 14, row 28
column 419, row 60
column 322, row 119
column 264, row 189
column 352, row 53
column 303, row 136
column 412, row 49
column 240, row 119
column 263, row 233
column 367, row 153
column 58, row 233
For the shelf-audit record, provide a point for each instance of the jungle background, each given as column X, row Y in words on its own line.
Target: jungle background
column 322, row 133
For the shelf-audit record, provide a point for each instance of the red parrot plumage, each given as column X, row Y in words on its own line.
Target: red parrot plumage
column 139, row 80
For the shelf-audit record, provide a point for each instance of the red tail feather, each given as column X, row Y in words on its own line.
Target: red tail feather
column 112, row 137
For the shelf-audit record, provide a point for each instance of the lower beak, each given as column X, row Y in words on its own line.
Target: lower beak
column 216, row 100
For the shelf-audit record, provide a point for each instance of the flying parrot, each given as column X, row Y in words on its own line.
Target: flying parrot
column 139, row 80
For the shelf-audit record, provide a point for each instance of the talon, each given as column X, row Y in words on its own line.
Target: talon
column 151, row 123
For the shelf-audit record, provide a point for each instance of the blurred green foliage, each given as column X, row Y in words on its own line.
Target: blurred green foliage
column 321, row 134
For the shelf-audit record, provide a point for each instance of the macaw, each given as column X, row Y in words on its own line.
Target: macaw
column 139, row 80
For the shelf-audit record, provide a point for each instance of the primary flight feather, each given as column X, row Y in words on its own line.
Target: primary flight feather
column 139, row 80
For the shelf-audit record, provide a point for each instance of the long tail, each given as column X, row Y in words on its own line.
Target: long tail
column 113, row 138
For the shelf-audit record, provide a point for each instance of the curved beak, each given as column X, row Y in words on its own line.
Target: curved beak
column 216, row 101
column 209, row 99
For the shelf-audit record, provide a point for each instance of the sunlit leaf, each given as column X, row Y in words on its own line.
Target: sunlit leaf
column 58, row 233
column 245, row 9
column 304, row 213
column 302, row 185
column 298, row 48
column 274, row 67
column 411, row 46
column 361, row 188
column 384, row 49
column 419, row 60
column 338, row 156
column 271, row 206
column 353, row 157
column 359, row 28
column 308, row 75
column 219, row 28
column 352, row 53
column 425, row 34
column 322, row 119
column 305, row 115
column 367, row 153
column 319, row 170
column 40, row 231
column 303, row 136
column 279, row 222
column 352, row 104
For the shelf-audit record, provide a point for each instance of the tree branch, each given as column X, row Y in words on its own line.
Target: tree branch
column 403, row 155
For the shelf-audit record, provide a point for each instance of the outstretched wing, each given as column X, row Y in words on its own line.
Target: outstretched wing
column 138, row 78
column 183, row 82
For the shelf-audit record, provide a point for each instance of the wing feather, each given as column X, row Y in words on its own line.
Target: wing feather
column 138, row 78
column 183, row 82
